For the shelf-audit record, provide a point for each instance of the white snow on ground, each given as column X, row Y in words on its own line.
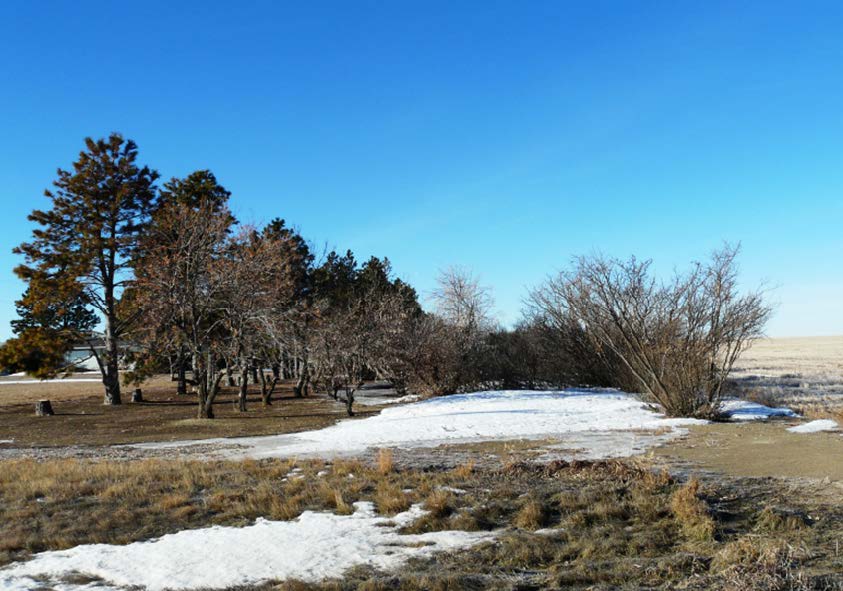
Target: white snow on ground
column 56, row 381
column 313, row 547
column 591, row 415
column 815, row 426
column 376, row 400
column 744, row 410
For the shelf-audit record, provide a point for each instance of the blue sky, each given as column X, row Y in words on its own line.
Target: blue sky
column 503, row 136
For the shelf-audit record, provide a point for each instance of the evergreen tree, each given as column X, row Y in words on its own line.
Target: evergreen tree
column 47, row 328
column 66, row 311
column 89, row 236
column 197, row 190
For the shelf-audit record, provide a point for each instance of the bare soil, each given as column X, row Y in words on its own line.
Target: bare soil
column 81, row 419
column 760, row 449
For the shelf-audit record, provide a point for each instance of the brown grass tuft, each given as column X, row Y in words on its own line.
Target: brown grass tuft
column 464, row 470
column 390, row 498
column 386, row 461
column 691, row 512
column 532, row 516
column 440, row 503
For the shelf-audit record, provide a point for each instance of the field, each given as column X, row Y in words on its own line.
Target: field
column 803, row 373
column 744, row 505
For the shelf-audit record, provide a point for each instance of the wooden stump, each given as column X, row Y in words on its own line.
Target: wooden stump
column 137, row 395
column 43, row 408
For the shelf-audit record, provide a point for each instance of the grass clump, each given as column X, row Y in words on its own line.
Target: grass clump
column 533, row 515
column 390, row 498
column 691, row 512
column 385, row 461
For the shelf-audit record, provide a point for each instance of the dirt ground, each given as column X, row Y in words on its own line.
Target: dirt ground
column 760, row 449
column 81, row 419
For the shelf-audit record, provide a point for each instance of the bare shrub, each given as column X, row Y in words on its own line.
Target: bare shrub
column 674, row 341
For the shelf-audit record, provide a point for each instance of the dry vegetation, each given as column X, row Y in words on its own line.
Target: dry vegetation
column 803, row 373
column 561, row 525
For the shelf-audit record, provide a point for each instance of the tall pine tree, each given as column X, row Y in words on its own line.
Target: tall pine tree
column 90, row 234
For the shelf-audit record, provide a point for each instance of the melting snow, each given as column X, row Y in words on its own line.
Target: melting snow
column 598, row 418
column 313, row 547
column 744, row 410
column 814, row 426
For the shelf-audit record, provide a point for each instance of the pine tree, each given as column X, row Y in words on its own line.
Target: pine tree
column 198, row 189
column 47, row 328
column 89, row 235
column 65, row 310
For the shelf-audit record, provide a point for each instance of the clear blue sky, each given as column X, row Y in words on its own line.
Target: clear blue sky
column 504, row 136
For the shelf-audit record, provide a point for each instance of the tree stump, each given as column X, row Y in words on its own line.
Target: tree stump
column 137, row 395
column 43, row 408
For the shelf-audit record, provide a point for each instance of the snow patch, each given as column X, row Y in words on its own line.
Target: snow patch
column 311, row 548
column 56, row 381
column 597, row 418
column 744, row 410
column 815, row 426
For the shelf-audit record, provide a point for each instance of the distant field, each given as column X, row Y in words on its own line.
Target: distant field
column 816, row 357
column 803, row 372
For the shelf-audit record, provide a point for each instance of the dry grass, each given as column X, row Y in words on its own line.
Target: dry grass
column 692, row 512
column 532, row 516
column 805, row 374
column 386, row 462
column 750, row 563
column 612, row 524
column 464, row 470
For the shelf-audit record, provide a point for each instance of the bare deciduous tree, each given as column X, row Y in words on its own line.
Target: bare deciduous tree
column 180, row 288
column 678, row 340
column 461, row 300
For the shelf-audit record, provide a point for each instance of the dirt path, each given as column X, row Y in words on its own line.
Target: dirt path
column 760, row 449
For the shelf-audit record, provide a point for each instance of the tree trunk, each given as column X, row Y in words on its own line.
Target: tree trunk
column 206, row 409
column 181, row 389
column 244, row 387
column 110, row 377
column 349, row 401
column 208, row 381
column 264, row 388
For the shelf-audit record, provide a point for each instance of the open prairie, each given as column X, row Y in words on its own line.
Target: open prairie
column 805, row 373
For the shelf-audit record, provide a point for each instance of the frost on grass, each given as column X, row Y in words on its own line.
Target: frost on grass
column 479, row 416
column 815, row 426
column 311, row 548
